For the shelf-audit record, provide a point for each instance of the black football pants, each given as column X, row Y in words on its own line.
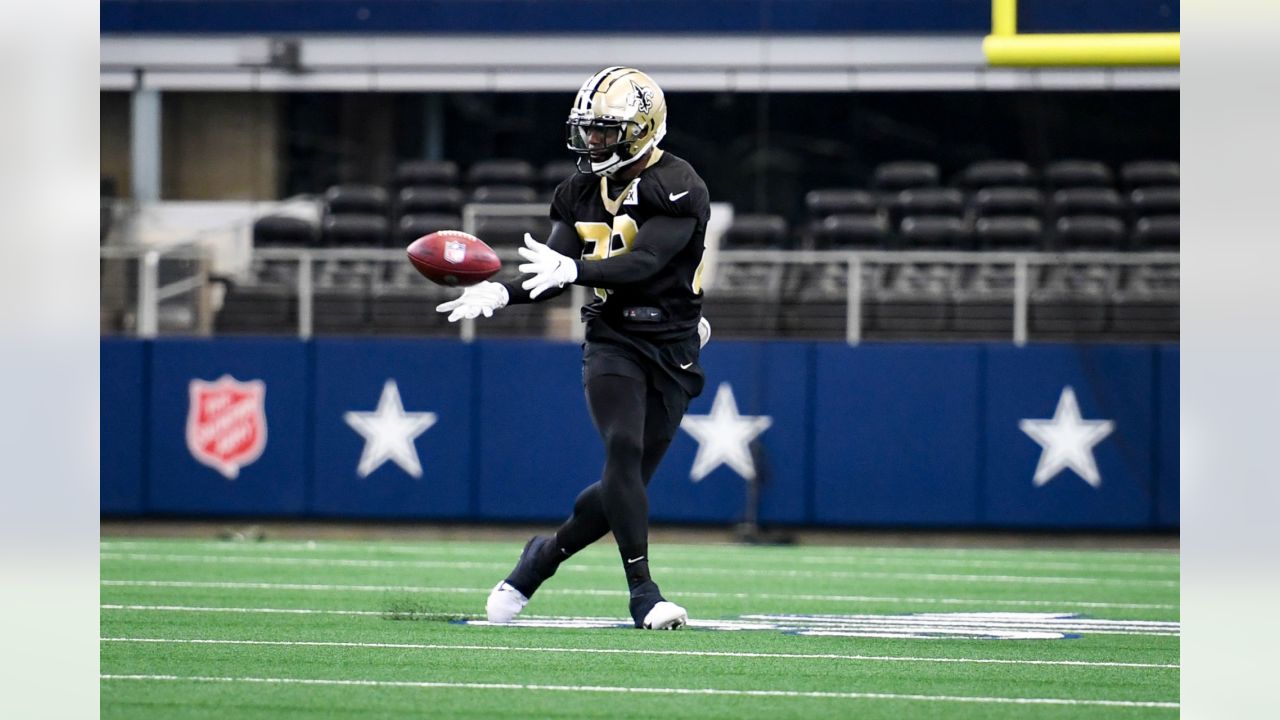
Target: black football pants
column 636, row 423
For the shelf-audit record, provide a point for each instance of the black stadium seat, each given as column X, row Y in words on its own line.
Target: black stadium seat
column 822, row 203
column 504, row 194
column 412, row 227
column 1000, row 201
column 500, row 172
column 283, row 231
column 1159, row 232
column 929, row 201
column 997, row 173
column 356, row 199
column 1150, row 173
column 755, row 231
column 1090, row 232
column 1077, row 173
column 355, row 230
column 1148, row 201
column 849, row 231
column 905, row 174
column 500, row 231
column 555, row 172
column 1087, row 201
column 1009, row 232
column 934, row 232
column 418, row 200
column 438, row 173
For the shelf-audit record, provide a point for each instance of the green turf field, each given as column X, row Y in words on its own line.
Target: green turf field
column 205, row 629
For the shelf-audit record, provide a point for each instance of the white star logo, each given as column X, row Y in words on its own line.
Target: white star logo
column 724, row 437
column 1067, row 440
column 389, row 433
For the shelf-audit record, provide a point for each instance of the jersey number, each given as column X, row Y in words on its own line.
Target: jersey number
column 600, row 241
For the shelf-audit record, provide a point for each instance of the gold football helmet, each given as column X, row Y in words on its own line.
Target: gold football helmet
column 618, row 115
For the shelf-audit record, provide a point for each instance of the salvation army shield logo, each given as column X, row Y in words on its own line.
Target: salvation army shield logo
column 455, row 252
column 227, row 423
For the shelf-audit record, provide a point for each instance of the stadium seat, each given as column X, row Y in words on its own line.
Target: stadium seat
column 822, row 203
column 504, row 194
column 412, row 227
column 1150, row 173
column 556, row 172
column 999, row 201
column 1077, row 173
column 1148, row 201
column 422, row 173
column 1009, row 232
column 997, row 173
column 416, row 200
column 896, row 176
column 935, row 232
column 1090, row 232
column 355, row 230
column 849, row 231
column 283, row 231
column 355, row 200
column 1087, row 201
column 928, row 201
column 1158, row 232
column 500, row 172
column 755, row 231
column 500, row 231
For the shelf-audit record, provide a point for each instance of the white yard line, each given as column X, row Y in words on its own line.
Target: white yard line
column 652, row 691
column 908, row 624
column 671, row 570
column 626, row 651
column 309, row 587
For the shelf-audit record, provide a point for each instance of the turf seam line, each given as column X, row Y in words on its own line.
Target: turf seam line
column 227, row 585
column 639, row 651
column 656, row 691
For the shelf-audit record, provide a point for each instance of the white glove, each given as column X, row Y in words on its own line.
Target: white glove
column 484, row 298
column 704, row 332
column 549, row 268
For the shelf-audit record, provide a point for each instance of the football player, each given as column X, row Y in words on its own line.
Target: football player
column 630, row 225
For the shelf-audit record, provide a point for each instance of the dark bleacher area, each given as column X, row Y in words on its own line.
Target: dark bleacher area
column 990, row 206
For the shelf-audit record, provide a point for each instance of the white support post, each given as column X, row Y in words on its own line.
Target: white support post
column 1020, row 293
column 148, row 294
column 467, row 330
column 306, row 296
column 145, row 144
column 853, row 320
column 577, row 296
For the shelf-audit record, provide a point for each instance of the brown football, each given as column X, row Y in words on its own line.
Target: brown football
column 453, row 258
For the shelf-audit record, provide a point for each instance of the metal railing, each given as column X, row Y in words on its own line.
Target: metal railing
column 150, row 294
column 853, row 262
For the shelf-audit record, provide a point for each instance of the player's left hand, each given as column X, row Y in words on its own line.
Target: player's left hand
column 549, row 268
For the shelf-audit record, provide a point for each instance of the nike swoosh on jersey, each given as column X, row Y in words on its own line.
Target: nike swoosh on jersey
column 676, row 196
column 686, row 366
column 635, row 560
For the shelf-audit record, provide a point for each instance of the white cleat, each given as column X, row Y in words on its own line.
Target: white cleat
column 504, row 603
column 665, row 616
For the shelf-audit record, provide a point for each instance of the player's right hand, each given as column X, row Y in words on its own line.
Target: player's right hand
column 482, row 298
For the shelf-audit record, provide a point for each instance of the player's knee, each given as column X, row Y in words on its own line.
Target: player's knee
column 624, row 447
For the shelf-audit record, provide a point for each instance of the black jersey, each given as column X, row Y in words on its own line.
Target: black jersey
column 608, row 220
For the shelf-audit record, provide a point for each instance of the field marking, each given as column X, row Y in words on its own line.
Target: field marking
column 677, row 569
column 626, row 651
column 1155, row 563
column 891, row 625
column 653, row 690
column 311, row 587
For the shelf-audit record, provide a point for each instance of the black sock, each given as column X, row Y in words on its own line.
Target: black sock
column 635, row 561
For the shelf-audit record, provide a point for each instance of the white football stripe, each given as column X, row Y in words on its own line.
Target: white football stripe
column 653, row 690
column 310, row 587
column 637, row 651
column 674, row 570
